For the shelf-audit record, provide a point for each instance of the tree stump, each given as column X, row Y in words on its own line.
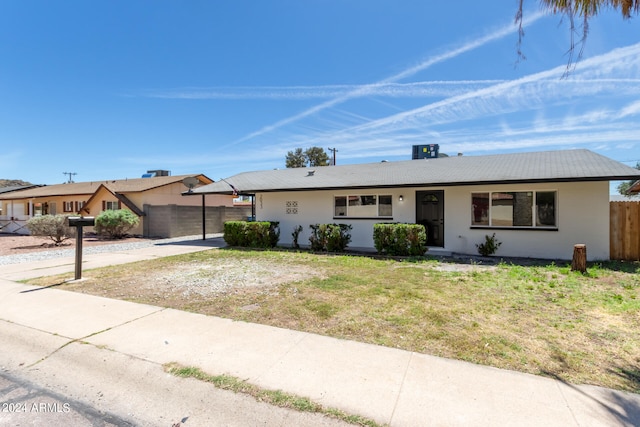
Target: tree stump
column 579, row 261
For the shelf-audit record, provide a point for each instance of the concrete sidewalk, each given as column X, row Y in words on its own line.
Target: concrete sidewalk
column 49, row 329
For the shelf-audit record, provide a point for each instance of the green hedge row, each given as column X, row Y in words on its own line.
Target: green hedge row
column 400, row 239
column 252, row 234
column 390, row 239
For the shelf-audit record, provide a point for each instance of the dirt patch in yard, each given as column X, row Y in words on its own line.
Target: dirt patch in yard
column 14, row 244
column 190, row 284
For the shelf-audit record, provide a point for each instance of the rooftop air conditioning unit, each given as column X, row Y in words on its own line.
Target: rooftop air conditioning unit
column 158, row 172
column 430, row 151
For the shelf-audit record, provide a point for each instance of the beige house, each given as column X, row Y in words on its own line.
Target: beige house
column 92, row 198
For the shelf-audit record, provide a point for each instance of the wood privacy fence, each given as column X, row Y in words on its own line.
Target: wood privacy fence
column 624, row 230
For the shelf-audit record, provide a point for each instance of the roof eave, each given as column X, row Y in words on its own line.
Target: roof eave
column 423, row 184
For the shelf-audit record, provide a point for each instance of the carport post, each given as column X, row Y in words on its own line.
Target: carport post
column 204, row 218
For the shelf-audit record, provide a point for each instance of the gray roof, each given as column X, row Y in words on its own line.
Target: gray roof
column 16, row 188
column 547, row 166
column 133, row 185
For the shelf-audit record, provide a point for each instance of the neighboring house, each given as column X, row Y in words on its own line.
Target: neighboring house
column 538, row 204
column 635, row 188
column 16, row 188
column 92, row 198
column 10, row 189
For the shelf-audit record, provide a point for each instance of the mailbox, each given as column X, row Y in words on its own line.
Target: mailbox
column 81, row 221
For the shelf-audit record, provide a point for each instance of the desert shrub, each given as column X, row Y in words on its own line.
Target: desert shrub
column 253, row 234
column 489, row 246
column 400, row 239
column 54, row 227
column 115, row 224
column 330, row 237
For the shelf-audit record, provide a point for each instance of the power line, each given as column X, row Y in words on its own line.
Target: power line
column 334, row 151
column 71, row 174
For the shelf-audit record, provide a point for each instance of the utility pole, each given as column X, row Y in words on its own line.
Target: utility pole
column 334, row 151
column 70, row 176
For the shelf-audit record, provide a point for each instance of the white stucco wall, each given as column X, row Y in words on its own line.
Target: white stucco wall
column 582, row 215
column 582, row 212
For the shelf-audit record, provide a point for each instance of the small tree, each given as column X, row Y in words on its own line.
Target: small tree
column 314, row 156
column 115, row 224
column 296, row 159
column 623, row 187
column 295, row 235
column 54, row 227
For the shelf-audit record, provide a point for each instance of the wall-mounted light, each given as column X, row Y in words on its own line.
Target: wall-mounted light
column 401, row 198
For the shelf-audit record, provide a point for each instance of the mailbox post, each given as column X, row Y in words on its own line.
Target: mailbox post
column 78, row 222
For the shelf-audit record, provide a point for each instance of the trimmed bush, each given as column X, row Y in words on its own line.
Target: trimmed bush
column 400, row 239
column 234, row 233
column 252, row 234
column 330, row 237
column 114, row 224
column 55, row 227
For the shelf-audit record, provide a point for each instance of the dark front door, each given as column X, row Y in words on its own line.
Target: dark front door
column 430, row 213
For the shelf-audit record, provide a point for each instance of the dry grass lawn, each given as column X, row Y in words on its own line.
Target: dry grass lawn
column 543, row 319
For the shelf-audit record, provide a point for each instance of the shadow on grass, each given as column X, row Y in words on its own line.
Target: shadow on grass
column 622, row 266
column 631, row 375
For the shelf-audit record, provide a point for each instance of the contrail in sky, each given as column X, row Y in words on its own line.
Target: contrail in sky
column 366, row 89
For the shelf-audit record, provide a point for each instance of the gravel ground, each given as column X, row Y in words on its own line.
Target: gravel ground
column 52, row 253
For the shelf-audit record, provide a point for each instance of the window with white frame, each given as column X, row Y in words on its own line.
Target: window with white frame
column 363, row 206
column 111, row 206
column 67, row 206
column 532, row 209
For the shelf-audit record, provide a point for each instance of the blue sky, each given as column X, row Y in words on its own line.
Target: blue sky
column 110, row 89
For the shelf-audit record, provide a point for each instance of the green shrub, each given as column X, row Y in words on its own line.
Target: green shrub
column 253, row 234
column 330, row 237
column 55, row 227
column 490, row 245
column 400, row 239
column 234, row 233
column 114, row 224
column 295, row 235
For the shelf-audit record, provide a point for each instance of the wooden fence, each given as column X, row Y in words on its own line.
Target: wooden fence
column 624, row 230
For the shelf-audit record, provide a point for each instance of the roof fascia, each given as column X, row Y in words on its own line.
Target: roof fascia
column 427, row 184
column 178, row 179
column 128, row 203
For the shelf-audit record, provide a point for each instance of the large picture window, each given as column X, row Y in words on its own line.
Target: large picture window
column 365, row 206
column 514, row 209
